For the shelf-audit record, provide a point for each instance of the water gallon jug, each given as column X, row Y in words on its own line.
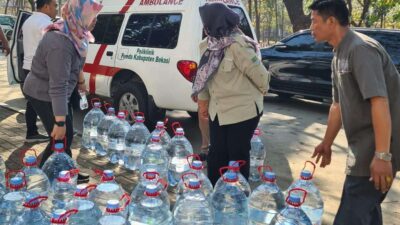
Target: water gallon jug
column 313, row 205
column 292, row 213
column 266, row 200
column 135, row 142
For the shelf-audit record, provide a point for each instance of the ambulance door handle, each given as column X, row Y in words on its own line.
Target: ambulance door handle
column 109, row 53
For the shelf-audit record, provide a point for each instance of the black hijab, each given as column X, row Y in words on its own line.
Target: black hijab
column 218, row 20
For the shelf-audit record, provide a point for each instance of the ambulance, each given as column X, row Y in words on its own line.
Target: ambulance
column 145, row 55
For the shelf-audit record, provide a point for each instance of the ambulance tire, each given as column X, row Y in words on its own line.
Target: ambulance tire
column 135, row 95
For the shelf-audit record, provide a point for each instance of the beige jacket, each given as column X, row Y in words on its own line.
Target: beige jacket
column 237, row 90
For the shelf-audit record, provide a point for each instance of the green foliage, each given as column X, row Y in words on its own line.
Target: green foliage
column 385, row 13
column 275, row 23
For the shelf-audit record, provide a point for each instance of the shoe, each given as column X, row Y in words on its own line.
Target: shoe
column 36, row 138
column 83, row 178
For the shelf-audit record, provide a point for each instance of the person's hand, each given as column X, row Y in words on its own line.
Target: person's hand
column 323, row 152
column 381, row 174
column 195, row 98
column 58, row 133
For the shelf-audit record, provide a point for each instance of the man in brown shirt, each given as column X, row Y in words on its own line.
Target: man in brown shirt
column 366, row 102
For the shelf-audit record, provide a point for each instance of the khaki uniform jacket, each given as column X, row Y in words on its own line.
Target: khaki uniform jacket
column 236, row 92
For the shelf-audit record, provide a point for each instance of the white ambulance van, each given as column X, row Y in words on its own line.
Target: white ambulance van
column 145, row 55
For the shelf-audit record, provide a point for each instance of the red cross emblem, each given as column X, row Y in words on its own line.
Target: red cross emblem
column 95, row 68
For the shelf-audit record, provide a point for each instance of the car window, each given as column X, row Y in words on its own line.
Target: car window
column 390, row 41
column 322, row 47
column 107, row 28
column 244, row 24
column 302, row 42
column 305, row 42
column 152, row 30
column 5, row 20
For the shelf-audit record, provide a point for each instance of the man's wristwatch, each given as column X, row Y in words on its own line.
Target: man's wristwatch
column 59, row 123
column 384, row 156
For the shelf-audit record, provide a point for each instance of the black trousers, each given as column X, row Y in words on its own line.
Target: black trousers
column 360, row 203
column 230, row 143
column 45, row 112
column 30, row 114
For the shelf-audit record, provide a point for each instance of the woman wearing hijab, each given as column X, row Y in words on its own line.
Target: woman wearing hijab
column 56, row 67
column 230, row 85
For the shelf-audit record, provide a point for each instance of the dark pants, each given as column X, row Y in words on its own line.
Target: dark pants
column 45, row 112
column 360, row 203
column 229, row 143
column 30, row 114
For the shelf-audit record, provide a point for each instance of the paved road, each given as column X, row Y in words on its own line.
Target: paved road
column 291, row 129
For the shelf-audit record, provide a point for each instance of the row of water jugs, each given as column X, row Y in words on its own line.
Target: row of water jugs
column 229, row 202
column 133, row 147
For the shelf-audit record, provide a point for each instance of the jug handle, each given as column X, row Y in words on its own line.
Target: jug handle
column 163, row 183
column 144, row 175
column 94, row 100
column 139, row 114
column 39, row 198
column 297, row 189
column 175, row 125
column 266, row 167
column 127, row 201
column 193, row 156
column 23, row 153
column 314, row 167
column 8, row 177
column 53, row 143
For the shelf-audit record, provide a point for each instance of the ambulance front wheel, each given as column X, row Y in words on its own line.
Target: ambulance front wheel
column 132, row 97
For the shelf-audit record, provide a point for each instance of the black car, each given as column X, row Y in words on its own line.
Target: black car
column 300, row 66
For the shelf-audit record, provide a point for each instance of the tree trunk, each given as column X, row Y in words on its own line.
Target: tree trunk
column 32, row 3
column 350, row 6
column 250, row 9
column 296, row 14
column 283, row 21
column 366, row 5
column 257, row 11
column 276, row 20
column 6, row 8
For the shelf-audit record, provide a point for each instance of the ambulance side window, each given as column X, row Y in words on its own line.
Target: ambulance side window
column 138, row 30
column 152, row 30
column 244, row 24
column 107, row 28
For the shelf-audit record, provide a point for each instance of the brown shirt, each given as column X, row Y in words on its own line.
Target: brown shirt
column 236, row 92
column 362, row 69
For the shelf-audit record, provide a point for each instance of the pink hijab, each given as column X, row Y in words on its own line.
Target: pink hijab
column 77, row 15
